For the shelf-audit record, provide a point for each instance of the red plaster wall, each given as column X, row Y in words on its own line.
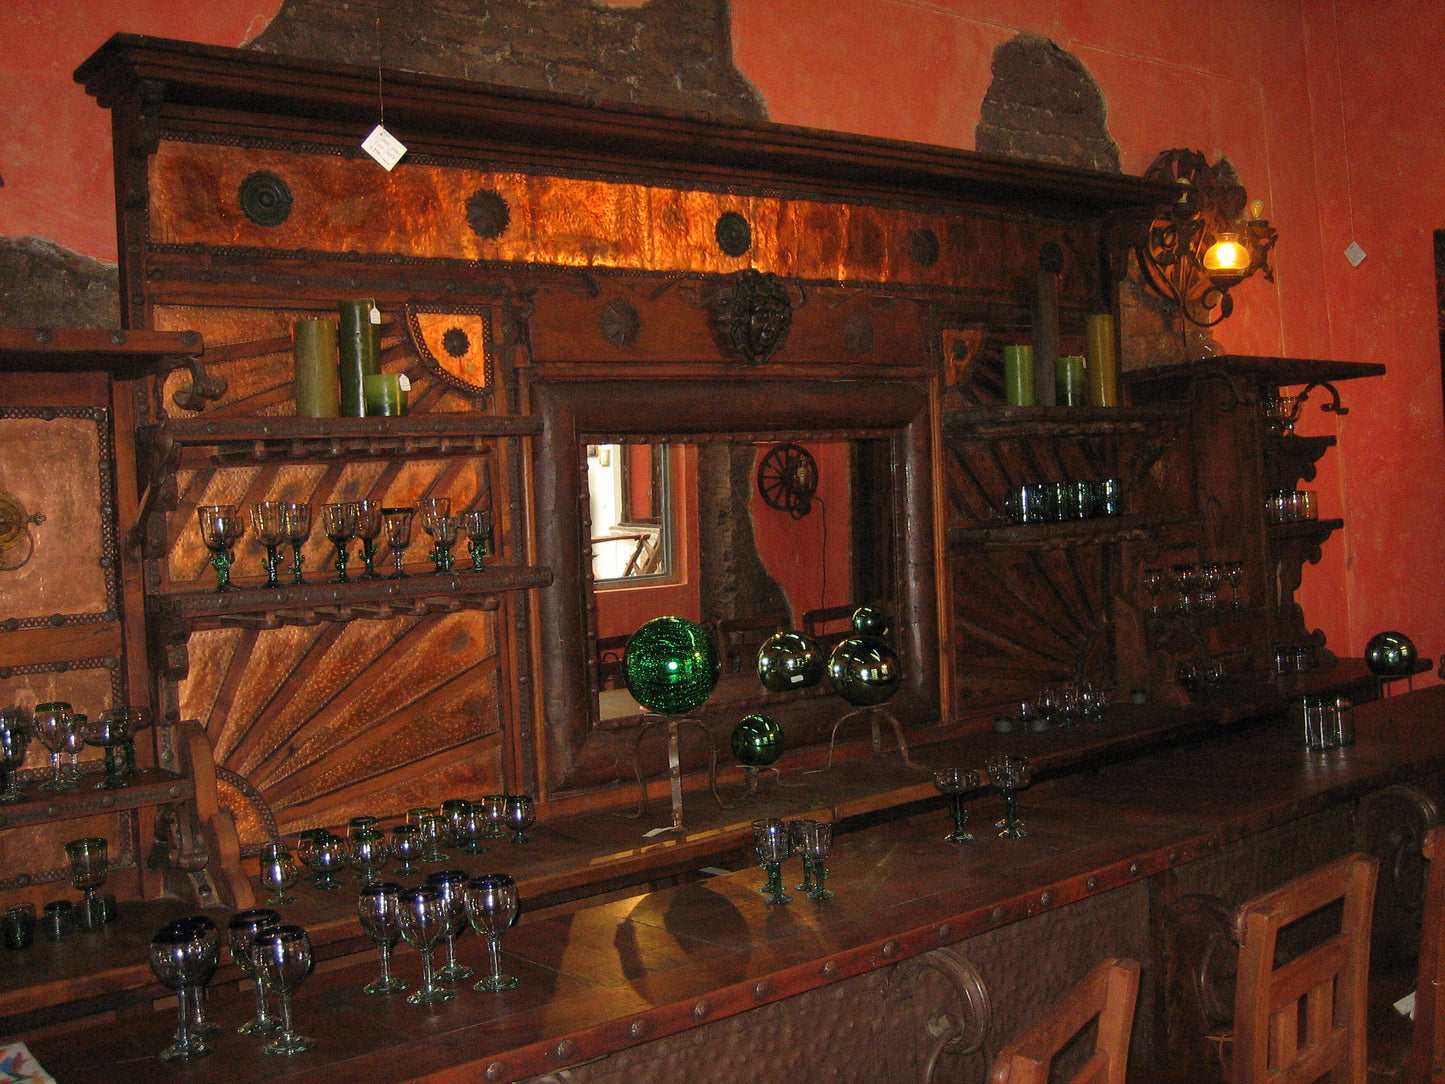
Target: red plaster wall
column 1330, row 110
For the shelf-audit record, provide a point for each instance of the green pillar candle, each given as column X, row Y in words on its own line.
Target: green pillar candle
column 1069, row 381
column 1018, row 375
column 314, row 347
column 1103, row 359
column 383, row 395
column 360, row 352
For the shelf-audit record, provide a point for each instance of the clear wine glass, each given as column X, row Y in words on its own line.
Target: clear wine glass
column 278, row 873
column 283, row 958
column 53, row 721
column 1185, row 581
column 773, row 845
column 325, row 854
column 339, row 522
column 242, row 931
column 433, row 832
column 1010, row 773
column 89, row 863
column 521, row 815
column 210, row 937
column 492, row 907
column 1209, row 577
column 1234, row 573
column 369, row 852
column 470, row 825
column 397, row 524
column 379, row 908
column 451, row 884
column 408, row 845
column 817, row 846
column 955, row 782
column 1155, row 580
column 495, row 806
column 71, row 747
column 221, row 528
column 797, row 831
column 268, row 525
column 477, row 522
column 183, row 959
column 15, row 729
column 423, row 920
column 298, row 530
column 429, row 511
column 368, row 529
column 444, row 537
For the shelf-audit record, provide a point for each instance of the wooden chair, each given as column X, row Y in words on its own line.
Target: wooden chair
column 830, row 624
column 1108, row 994
column 1305, row 1018
column 740, row 637
column 1425, row 1059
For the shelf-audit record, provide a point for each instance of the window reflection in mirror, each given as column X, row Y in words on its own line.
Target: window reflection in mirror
column 628, row 491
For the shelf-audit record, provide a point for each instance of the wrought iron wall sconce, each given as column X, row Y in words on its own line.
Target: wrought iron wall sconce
column 1208, row 241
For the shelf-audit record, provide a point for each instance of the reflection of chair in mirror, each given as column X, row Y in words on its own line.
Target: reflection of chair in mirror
column 829, row 624
column 740, row 637
column 609, row 661
column 1108, row 995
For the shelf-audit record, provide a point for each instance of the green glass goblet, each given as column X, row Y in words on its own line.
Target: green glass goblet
column 397, row 524
column 220, row 529
column 297, row 518
column 955, row 782
column 268, row 525
column 477, row 522
column 817, row 846
column 368, row 529
column 339, row 522
column 1010, row 773
column 773, row 845
column 492, row 908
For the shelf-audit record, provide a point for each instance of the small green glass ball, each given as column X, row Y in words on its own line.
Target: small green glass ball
column 790, row 660
column 670, row 665
column 864, row 670
column 870, row 621
column 757, row 741
column 1390, row 654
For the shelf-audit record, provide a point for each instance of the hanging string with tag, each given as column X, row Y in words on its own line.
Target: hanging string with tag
column 381, row 144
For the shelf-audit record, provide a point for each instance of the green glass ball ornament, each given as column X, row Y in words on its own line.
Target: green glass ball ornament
column 790, row 660
column 757, row 741
column 1390, row 654
column 864, row 670
column 670, row 665
column 870, row 621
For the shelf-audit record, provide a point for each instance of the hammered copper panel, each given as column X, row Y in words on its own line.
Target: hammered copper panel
column 421, row 210
column 51, row 467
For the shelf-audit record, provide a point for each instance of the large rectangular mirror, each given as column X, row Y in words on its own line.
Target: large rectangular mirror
column 718, row 462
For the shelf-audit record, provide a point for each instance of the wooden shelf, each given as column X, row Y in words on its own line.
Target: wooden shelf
column 422, row 592
column 246, row 441
column 1103, row 530
column 126, row 355
column 1306, row 530
column 1002, row 422
column 1276, row 371
column 148, row 787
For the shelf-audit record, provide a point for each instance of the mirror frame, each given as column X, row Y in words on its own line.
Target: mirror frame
column 577, row 413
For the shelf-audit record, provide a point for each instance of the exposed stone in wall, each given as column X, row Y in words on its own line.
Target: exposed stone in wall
column 673, row 54
column 1044, row 105
column 44, row 285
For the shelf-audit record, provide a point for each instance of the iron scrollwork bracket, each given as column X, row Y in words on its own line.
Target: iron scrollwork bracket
column 954, row 1034
column 1334, row 406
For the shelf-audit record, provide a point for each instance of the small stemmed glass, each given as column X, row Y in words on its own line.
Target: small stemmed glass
column 772, row 843
column 15, row 728
column 114, row 732
column 368, row 529
column 407, row 844
column 283, row 958
column 278, row 873
column 268, row 524
column 184, row 959
column 451, row 885
column 53, row 722
column 495, row 807
column 1010, row 773
column 397, row 522
column 492, row 907
column 210, row 937
column 379, row 908
column 469, row 826
column 324, row 854
column 521, row 815
column 443, row 530
column 298, row 529
column 955, row 782
column 817, row 846
column 89, row 864
column 369, row 852
column 797, row 833
column 423, row 920
column 429, row 511
column 1234, row 573
column 221, row 528
column 1155, row 580
column 339, row 523
column 477, row 522
column 242, row 930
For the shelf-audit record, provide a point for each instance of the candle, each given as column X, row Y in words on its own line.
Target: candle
column 382, row 395
column 1069, row 381
column 1018, row 375
column 314, row 347
column 1102, row 354
column 360, row 352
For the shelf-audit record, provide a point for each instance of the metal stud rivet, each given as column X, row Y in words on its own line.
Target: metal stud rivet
column 890, row 949
column 565, row 1049
column 701, row 1009
column 1092, row 883
column 830, row 969
column 762, row 988
column 496, row 1070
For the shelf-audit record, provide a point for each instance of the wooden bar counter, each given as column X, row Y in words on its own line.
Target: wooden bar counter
column 613, row 975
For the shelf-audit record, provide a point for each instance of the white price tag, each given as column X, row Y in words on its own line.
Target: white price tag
column 375, row 315
column 403, row 382
column 384, row 147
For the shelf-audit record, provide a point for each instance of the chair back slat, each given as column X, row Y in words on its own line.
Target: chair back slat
column 1108, row 994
